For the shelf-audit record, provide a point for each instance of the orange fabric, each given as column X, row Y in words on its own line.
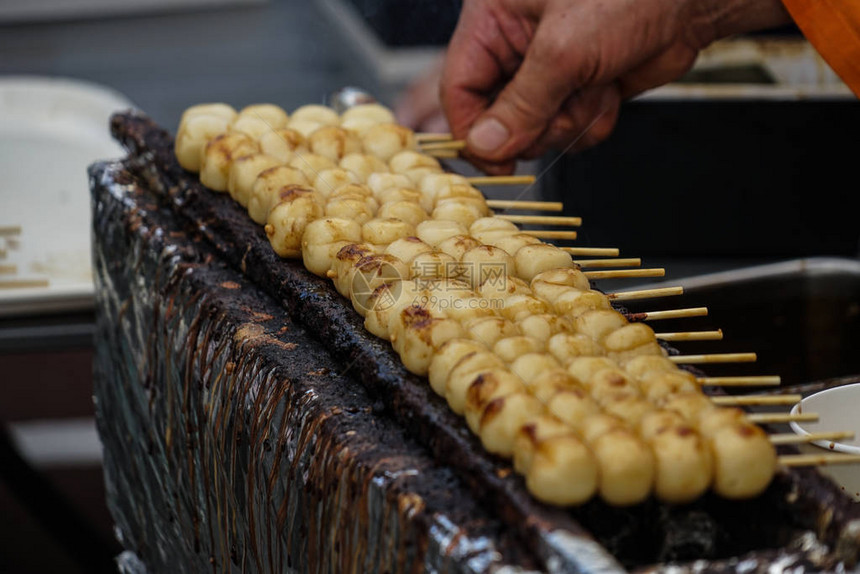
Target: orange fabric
column 833, row 27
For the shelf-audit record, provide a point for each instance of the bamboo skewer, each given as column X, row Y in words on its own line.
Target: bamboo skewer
column 592, row 251
column 818, row 459
column 540, row 234
column 773, row 418
column 792, row 438
column 544, row 219
column 625, row 273
column 669, row 314
column 22, row 283
column 649, row 294
column 593, row 263
column 525, row 205
column 692, row 336
column 761, row 381
column 432, row 137
column 10, row 230
column 443, row 154
column 715, row 358
column 757, row 400
column 501, row 180
column 443, row 145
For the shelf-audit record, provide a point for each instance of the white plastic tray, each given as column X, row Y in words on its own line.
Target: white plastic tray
column 51, row 129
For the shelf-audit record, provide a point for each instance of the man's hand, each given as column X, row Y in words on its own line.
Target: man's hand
column 523, row 76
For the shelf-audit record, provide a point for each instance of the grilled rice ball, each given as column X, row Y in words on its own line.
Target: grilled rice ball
column 503, row 418
column 310, row 164
column 219, row 154
column 267, row 187
column 532, row 260
column 252, row 126
column 376, row 113
column 544, row 326
column 334, row 142
column 423, row 332
column 511, row 348
column 243, row 175
column 627, row 467
column 382, row 181
column 330, row 180
column 315, row 113
column 385, row 140
column 363, row 165
column 274, row 116
column 563, row 471
column 684, row 464
column 219, row 110
column 488, row 330
column 485, row 263
column 323, row 238
column 194, row 133
column 288, row 219
column 407, row 211
column 343, row 263
column 283, row 144
column 434, row 232
column 387, row 301
column 463, row 373
column 744, row 461
column 446, row 358
column 370, row 272
column 486, row 387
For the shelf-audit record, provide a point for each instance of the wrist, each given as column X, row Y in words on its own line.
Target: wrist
column 716, row 19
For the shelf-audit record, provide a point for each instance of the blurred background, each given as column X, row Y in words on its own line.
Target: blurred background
column 748, row 160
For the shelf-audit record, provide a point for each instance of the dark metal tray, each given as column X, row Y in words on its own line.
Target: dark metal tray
column 802, row 317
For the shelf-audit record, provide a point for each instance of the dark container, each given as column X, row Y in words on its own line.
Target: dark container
column 729, row 177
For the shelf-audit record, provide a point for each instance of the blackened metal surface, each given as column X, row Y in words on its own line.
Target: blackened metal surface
column 406, row 397
column 234, row 442
column 711, row 529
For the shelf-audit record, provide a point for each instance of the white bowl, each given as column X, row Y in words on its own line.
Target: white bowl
column 838, row 409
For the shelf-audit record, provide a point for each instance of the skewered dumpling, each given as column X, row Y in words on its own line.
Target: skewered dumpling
column 195, row 131
column 243, row 175
column 320, row 114
column 363, row 165
column 376, row 113
column 274, row 116
column 334, row 142
column 386, row 140
column 282, row 143
column 220, row 110
column 506, row 327
column 287, row 220
column 219, row 154
column 252, row 126
column 267, row 186
column 323, row 238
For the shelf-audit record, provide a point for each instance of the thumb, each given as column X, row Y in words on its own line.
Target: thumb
column 524, row 109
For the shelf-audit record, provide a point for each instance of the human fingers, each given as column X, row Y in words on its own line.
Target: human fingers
column 584, row 120
column 518, row 117
column 485, row 50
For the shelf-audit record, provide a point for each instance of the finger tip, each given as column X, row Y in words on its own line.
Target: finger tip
column 488, row 136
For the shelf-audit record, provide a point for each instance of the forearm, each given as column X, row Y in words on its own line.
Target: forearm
column 716, row 19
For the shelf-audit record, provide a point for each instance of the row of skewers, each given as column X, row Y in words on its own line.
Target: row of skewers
column 505, row 326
